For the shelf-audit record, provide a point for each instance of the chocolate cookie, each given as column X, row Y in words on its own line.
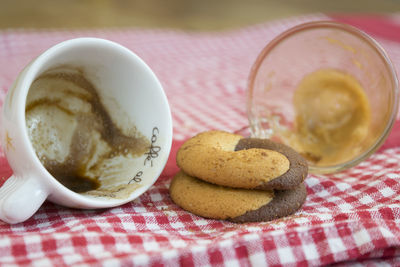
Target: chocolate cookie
column 236, row 205
column 223, row 158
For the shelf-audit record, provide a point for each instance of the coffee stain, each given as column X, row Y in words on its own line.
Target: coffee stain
column 341, row 44
column 119, row 192
column 9, row 142
column 357, row 63
column 74, row 171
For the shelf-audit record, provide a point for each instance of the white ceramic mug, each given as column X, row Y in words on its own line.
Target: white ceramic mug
column 129, row 87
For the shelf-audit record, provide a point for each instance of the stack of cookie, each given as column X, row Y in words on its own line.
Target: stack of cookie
column 225, row 176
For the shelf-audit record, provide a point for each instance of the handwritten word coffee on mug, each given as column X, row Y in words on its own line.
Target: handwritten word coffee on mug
column 73, row 133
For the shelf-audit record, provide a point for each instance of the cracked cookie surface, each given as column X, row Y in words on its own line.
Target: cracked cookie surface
column 226, row 159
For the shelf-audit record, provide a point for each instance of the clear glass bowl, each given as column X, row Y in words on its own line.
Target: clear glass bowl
column 326, row 89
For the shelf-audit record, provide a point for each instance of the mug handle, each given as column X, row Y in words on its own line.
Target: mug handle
column 20, row 198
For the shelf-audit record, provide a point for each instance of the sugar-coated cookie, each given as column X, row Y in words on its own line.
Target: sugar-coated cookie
column 225, row 159
column 233, row 204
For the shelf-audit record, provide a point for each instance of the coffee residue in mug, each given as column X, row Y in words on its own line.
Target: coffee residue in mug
column 71, row 130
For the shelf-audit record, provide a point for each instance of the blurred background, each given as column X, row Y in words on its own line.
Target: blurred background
column 194, row 15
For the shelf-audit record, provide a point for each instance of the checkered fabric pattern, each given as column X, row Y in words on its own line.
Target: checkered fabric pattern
column 349, row 218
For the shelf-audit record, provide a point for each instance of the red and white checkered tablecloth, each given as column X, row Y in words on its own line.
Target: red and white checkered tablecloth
column 351, row 217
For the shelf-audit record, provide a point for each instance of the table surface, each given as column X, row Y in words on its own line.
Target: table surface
column 349, row 217
column 182, row 14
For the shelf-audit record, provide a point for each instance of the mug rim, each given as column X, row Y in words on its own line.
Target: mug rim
column 366, row 39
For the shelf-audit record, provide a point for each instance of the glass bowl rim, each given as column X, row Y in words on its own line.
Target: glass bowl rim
column 366, row 39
